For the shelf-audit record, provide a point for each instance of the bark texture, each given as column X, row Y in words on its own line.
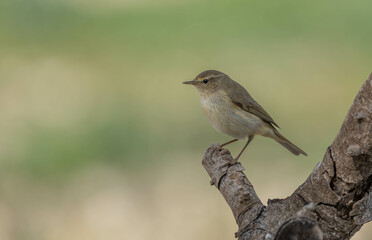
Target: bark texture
column 336, row 197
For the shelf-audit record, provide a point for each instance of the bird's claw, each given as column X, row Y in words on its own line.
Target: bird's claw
column 234, row 161
column 213, row 181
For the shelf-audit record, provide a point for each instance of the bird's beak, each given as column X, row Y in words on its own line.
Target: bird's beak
column 190, row 82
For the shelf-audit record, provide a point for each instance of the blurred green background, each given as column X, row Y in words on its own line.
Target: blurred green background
column 99, row 138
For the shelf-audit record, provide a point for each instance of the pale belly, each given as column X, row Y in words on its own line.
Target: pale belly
column 230, row 120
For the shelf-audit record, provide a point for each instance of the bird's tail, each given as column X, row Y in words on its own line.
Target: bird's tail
column 287, row 144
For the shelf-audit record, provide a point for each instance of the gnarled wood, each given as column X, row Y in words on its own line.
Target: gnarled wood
column 340, row 187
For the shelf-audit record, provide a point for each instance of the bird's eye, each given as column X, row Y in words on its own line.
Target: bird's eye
column 205, row 81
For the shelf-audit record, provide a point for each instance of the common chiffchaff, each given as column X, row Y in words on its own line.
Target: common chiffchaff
column 231, row 110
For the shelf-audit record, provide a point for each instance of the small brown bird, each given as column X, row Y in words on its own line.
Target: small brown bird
column 231, row 110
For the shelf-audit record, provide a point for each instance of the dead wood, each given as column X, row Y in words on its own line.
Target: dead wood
column 333, row 203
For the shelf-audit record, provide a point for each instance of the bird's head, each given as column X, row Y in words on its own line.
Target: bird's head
column 208, row 81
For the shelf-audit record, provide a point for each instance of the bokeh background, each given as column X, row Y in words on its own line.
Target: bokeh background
column 99, row 138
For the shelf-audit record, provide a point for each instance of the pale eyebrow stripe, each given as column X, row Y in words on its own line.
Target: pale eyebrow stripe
column 209, row 77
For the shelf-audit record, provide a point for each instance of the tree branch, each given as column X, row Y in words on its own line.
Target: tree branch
column 340, row 187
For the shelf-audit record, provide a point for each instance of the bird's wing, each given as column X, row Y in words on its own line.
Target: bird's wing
column 241, row 98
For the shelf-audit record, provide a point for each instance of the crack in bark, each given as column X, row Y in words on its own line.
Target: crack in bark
column 218, row 185
column 302, row 198
column 242, row 214
column 249, row 227
column 334, row 177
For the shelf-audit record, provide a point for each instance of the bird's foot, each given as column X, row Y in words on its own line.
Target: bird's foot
column 219, row 147
column 234, row 161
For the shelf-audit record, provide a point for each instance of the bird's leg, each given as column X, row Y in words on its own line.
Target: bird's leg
column 226, row 143
column 250, row 138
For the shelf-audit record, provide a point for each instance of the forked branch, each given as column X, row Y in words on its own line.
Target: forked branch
column 339, row 190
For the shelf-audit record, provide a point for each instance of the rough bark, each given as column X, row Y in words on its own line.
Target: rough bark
column 339, row 189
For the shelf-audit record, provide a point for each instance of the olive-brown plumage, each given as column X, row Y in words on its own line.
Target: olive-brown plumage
column 232, row 111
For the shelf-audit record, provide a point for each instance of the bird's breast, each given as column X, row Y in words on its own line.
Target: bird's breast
column 214, row 105
column 227, row 118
